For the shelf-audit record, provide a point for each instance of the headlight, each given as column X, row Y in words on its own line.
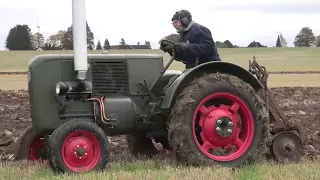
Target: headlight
column 57, row 88
column 61, row 88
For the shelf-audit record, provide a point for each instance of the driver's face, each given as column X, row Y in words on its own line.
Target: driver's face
column 176, row 24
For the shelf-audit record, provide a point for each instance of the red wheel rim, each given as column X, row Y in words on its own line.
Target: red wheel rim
column 36, row 145
column 81, row 151
column 214, row 117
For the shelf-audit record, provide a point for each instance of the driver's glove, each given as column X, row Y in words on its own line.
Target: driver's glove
column 181, row 47
column 166, row 47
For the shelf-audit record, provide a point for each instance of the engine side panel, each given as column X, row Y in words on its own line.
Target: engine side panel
column 120, row 115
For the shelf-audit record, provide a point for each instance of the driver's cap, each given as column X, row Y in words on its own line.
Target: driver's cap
column 186, row 14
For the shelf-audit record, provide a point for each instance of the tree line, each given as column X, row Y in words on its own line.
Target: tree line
column 305, row 38
column 20, row 37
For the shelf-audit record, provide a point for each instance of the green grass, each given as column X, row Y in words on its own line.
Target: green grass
column 164, row 169
column 16, row 82
column 275, row 59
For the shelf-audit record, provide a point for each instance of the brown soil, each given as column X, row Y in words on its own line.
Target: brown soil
column 300, row 104
column 13, row 73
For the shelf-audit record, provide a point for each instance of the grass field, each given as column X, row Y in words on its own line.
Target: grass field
column 165, row 169
column 275, row 59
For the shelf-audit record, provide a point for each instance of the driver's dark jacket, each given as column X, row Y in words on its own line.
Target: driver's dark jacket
column 201, row 48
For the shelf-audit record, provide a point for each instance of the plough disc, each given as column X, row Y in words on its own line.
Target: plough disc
column 287, row 147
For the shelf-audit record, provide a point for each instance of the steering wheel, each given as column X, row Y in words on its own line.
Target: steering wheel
column 169, row 41
column 173, row 50
column 171, row 44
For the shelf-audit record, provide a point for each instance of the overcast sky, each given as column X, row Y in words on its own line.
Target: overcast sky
column 240, row 21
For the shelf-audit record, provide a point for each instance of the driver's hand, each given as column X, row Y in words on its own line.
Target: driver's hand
column 166, row 47
column 181, row 47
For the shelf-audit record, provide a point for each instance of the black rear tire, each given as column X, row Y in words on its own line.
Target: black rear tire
column 188, row 142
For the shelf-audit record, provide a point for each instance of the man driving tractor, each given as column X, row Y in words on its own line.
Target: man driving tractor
column 196, row 45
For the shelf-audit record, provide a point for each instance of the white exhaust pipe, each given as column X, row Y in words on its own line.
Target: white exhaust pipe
column 79, row 38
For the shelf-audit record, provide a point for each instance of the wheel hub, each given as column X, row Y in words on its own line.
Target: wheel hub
column 81, row 148
column 81, row 151
column 224, row 127
column 218, row 127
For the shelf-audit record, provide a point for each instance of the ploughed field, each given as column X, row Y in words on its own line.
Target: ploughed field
column 300, row 104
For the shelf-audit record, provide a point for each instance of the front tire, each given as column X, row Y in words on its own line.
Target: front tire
column 31, row 146
column 78, row 146
column 217, row 112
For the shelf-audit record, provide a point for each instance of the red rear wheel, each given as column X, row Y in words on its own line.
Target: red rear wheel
column 227, row 128
column 217, row 119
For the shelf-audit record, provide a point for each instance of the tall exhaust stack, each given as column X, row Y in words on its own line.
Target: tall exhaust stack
column 79, row 38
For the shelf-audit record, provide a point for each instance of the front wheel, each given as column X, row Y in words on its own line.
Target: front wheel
column 31, row 146
column 78, row 146
column 217, row 119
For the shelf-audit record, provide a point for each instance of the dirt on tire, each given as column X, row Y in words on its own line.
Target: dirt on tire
column 300, row 104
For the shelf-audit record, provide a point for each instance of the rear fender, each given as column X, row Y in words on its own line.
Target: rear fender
column 210, row 67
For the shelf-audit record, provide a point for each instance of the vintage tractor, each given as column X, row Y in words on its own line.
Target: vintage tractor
column 215, row 113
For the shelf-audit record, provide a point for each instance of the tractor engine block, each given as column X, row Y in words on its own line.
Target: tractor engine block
column 117, row 115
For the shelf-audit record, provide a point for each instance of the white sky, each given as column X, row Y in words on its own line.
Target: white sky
column 240, row 21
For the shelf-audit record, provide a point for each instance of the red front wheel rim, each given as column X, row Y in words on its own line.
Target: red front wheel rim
column 223, row 126
column 36, row 145
column 81, row 151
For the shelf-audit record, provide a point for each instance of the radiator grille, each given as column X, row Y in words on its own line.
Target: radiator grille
column 109, row 78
